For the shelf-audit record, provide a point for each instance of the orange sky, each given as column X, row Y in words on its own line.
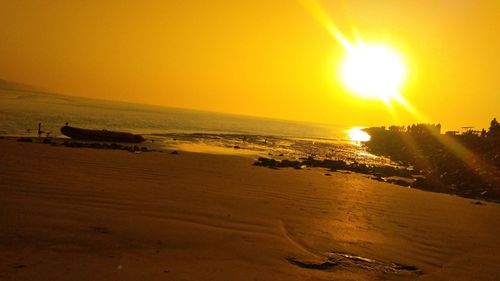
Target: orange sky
column 262, row 58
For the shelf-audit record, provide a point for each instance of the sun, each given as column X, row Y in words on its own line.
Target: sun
column 373, row 71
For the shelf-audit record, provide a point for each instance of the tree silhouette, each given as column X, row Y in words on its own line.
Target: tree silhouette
column 494, row 130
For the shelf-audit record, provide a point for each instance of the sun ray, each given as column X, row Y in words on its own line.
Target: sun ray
column 467, row 156
column 391, row 109
column 416, row 114
column 319, row 13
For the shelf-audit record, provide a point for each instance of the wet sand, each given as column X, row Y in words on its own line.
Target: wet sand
column 87, row 214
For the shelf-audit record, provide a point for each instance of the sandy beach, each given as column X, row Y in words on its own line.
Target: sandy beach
column 88, row 214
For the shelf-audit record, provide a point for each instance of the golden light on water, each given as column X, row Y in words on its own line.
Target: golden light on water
column 373, row 71
column 357, row 134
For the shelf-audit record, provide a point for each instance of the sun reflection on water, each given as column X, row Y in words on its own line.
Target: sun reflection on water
column 357, row 134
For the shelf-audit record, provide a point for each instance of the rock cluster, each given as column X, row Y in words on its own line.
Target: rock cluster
column 115, row 146
column 24, row 140
column 334, row 165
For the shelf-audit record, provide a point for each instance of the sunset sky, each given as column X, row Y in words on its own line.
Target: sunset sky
column 261, row 58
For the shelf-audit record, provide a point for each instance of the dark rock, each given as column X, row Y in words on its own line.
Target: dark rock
column 115, row 146
column 333, row 164
column 96, row 145
column 175, row 152
column 312, row 265
column 419, row 182
column 399, row 182
column 73, row 144
column 266, row 162
column 398, row 266
column 24, row 140
column 288, row 163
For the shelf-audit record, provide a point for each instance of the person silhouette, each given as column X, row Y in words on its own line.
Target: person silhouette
column 40, row 129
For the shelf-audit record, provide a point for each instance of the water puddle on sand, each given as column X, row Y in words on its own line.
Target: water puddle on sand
column 346, row 261
column 212, row 149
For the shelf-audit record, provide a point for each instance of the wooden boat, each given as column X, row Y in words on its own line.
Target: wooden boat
column 100, row 135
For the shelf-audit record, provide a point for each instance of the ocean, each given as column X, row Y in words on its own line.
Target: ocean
column 21, row 111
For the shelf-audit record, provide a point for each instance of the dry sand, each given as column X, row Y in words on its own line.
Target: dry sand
column 86, row 214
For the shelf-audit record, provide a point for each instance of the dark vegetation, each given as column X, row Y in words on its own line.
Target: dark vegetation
column 465, row 164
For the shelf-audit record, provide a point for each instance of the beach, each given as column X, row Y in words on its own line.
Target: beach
column 93, row 214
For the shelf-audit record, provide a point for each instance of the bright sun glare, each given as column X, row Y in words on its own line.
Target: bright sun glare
column 358, row 135
column 368, row 70
column 373, row 71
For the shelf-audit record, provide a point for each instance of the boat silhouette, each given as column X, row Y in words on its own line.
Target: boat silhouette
column 100, row 135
